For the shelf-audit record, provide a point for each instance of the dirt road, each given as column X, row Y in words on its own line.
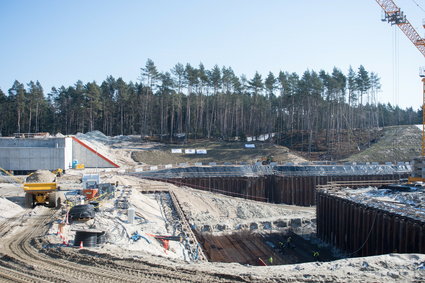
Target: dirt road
column 26, row 257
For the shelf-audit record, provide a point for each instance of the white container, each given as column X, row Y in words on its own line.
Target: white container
column 131, row 214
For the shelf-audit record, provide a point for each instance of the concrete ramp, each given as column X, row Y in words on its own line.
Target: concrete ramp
column 89, row 156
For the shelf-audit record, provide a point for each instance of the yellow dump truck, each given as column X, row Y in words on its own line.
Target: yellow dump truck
column 41, row 194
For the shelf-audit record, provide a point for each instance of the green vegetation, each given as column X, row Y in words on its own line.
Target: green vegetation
column 213, row 104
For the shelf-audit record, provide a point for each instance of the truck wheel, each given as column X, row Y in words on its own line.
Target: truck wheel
column 58, row 203
column 29, row 200
column 53, row 200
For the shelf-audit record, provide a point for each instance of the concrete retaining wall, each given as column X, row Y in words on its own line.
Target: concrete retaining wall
column 35, row 154
column 30, row 154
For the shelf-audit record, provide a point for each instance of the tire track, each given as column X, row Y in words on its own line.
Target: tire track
column 56, row 268
column 11, row 275
column 29, row 258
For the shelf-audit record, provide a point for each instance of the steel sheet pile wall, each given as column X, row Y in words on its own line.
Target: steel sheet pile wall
column 246, row 187
column 296, row 190
column 364, row 231
column 301, row 190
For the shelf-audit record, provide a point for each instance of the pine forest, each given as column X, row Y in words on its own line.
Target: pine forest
column 196, row 102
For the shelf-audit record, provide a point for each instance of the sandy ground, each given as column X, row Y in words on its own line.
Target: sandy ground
column 208, row 208
column 150, row 220
column 205, row 210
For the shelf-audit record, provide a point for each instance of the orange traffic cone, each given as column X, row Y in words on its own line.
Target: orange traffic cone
column 81, row 244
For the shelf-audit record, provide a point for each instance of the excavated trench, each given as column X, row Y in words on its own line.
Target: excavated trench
column 265, row 248
column 354, row 228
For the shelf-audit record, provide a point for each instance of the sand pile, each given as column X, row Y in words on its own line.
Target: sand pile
column 41, row 176
column 107, row 147
column 9, row 209
column 9, row 179
column 383, row 268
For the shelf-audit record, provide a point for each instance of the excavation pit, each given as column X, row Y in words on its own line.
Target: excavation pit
column 294, row 184
column 258, row 248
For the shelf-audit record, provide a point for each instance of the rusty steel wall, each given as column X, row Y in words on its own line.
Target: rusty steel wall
column 296, row 190
column 364, row 231
column 301, row 190
column 245, row 187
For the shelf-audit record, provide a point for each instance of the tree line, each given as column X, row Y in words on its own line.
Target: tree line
column 205, row 103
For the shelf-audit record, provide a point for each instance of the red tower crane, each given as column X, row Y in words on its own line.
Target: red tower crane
column 395, row 16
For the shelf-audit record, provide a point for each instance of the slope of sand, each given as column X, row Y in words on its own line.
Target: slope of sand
column 215, row 213
column 399, row 143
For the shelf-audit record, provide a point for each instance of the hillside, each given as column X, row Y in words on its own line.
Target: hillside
column 216, row 152
column 390, row 144
column 398, row 143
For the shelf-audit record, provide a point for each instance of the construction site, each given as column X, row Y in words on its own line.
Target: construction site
column 105, row 216
column 95, row 208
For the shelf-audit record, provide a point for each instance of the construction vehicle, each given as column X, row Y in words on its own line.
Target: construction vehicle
column 58, row 172
column 395, row 16
column 90, row 193
column 90, row 185
column 266, row 160
column 35, row 193
column 42, row 194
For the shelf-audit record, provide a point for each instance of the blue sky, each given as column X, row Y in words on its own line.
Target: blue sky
column 60, row 42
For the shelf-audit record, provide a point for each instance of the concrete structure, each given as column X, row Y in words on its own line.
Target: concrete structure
column 29, row 154
column 34, row 154
column 89, row 156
